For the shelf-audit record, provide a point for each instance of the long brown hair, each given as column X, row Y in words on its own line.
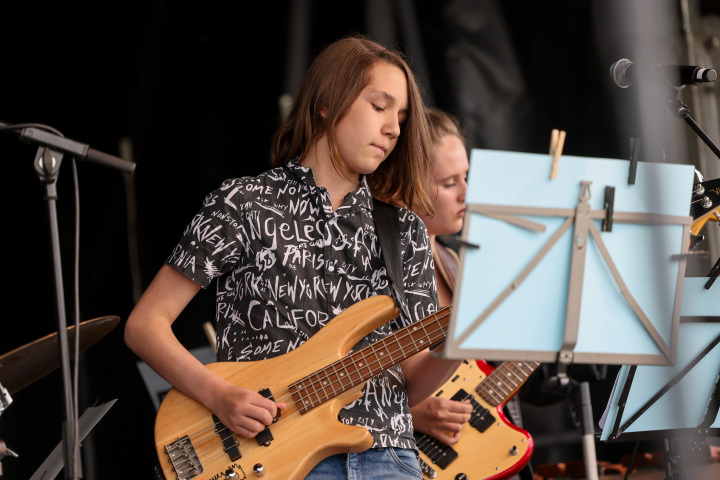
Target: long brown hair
column 332, row 83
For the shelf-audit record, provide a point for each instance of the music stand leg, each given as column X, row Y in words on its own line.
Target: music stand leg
column 588, row 433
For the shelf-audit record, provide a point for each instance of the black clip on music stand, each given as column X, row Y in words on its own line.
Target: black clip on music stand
column 52, row 147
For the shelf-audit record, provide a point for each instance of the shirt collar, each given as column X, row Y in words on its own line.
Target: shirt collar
column 360, row 198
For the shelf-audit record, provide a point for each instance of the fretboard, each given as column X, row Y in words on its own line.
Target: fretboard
column 367, row 362
column 504, row 381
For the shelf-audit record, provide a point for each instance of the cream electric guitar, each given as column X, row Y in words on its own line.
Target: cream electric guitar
column 316, row 380
column 490, row 446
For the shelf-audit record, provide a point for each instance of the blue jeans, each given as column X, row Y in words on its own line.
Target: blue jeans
column 373, row 464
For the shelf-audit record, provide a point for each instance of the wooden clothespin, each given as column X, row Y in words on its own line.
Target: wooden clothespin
column 557, row 140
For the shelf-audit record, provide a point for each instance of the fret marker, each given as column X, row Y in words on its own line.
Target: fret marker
column 342, row 374
column 382, row 353
column 360, row 364
column 325, row 382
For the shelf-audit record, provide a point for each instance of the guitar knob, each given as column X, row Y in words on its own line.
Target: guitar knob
column 230, row 474
column 259, row 470
column 514, row 451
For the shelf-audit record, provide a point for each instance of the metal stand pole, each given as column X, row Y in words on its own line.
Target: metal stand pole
column 588, row 433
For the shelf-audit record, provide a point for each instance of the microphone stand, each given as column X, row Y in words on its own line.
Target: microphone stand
column 681, row 111
column 47, row 165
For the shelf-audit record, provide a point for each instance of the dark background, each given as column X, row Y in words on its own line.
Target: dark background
column 194, row 91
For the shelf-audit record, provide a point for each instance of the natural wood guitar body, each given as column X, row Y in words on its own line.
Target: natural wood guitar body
column 315, row 380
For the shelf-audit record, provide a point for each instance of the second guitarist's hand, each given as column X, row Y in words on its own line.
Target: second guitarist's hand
column 441, row 418
column 244, row 411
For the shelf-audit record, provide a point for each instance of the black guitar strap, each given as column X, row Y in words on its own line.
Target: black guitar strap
column 387, row 226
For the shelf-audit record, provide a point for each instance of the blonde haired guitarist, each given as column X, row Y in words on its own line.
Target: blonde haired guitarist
column 438, row 416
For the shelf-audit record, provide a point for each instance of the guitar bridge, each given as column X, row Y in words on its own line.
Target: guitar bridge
column 183, row 458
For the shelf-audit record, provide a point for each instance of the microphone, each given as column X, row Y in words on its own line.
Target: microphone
column 49, row 137
column 624, row 73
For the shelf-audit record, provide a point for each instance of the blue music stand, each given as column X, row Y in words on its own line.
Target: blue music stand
column 662, row 402
column 678, row 402
column 586, row 267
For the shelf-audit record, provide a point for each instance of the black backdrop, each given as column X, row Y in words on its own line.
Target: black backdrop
column 195, row 89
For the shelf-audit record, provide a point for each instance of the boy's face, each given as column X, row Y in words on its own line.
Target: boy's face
column 369, row 130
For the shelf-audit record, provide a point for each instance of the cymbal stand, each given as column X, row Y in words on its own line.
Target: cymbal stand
column 5, row 401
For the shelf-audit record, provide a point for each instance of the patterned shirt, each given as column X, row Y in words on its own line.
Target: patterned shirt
column 287, row 264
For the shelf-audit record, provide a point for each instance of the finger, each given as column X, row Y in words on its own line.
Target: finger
column 458, row 407
column 448, row 438
column 264, row 409
column 464, row 407
column 247, row 427
column 451, row 427
column 452, row 440
column 458, row 418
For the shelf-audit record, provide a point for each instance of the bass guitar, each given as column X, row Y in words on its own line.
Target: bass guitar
column 490, row 446
column 316, row 380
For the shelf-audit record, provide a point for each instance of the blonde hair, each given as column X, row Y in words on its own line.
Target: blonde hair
column 443, row 124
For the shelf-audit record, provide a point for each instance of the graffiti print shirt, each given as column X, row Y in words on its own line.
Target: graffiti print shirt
column 286, row 264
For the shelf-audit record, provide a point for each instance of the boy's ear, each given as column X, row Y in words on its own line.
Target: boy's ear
column 323, row 112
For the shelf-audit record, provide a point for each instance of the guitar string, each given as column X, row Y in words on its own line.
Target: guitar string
column 371, row 351
column 432, row 336
column 297, row 412
column 488, row 389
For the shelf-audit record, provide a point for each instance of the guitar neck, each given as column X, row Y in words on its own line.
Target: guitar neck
column 367, row 362
column 504, row 381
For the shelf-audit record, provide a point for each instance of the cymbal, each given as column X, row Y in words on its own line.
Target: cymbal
column 24, row 365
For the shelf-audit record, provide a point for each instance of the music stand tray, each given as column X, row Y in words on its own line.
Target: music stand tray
column 586, row 267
